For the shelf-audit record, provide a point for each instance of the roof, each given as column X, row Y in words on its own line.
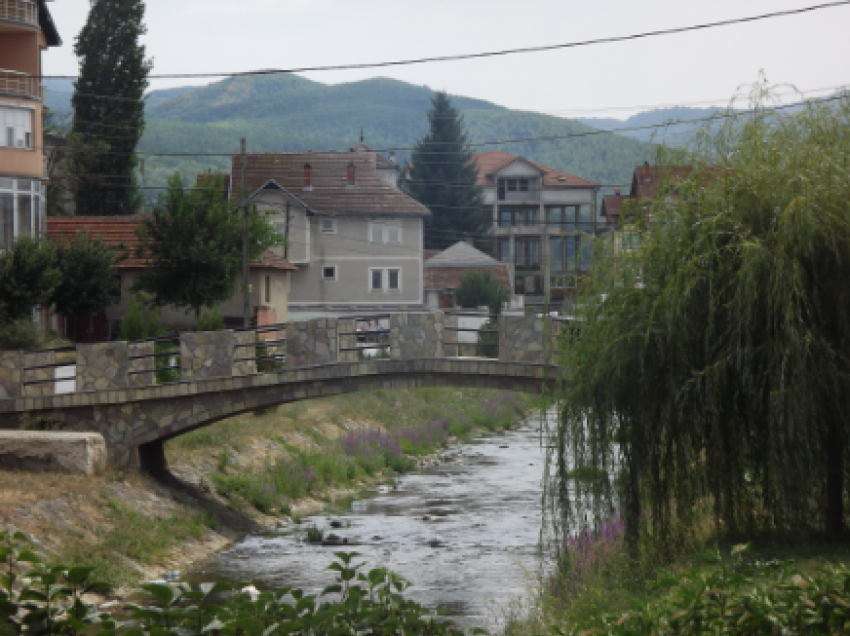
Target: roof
column 329, row 194
column 117, row 232
column 429, row 254
column 451, row 277
column 48, row 27
column 461, row 254
column 612, row 205
column 120, row 233
column 489, row 163
column 646, row 178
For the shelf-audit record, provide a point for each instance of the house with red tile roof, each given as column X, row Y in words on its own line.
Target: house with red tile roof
column 445, row 270
column 354, row 235
column 269, row 280
column 544, row 221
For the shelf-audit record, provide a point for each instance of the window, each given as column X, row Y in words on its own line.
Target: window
column 17, row 126
column 512, row 187
column 505, row 250
column 328, row 226
column 24, row 215
column 523, row 185
column 500, row 187
column 385, row 280
column 394, row 279
column 586, row 253
column 384, row 233
column 268, row 289
column 7, row 221
column 329, row 272
column 557, row 254
column 515, row 217
column 585, row 219
column 528, row 253
column 350, row 176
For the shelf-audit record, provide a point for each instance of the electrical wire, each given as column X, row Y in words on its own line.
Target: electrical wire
column 498, row 53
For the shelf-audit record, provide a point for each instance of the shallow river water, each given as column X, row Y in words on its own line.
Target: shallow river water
column 463, row 532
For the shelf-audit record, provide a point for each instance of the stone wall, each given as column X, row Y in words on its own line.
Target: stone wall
column 10, row 374
column 311, row 342
column 347, row 326
column 44, row 378
column 416, row 335
column 102, row 367
column 526, row 339
column 451, row 348
column 206, row 355
column 53, row 451
column 248, row 349
column 139, row 363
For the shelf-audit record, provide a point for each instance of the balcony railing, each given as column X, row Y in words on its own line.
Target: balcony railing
column 22, row 11
column 19, row 84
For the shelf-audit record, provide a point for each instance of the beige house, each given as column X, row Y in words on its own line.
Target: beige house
column 354, row 236
column 26, row 29
column 269, row 281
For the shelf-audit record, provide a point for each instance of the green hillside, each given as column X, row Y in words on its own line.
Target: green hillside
column 291, row 113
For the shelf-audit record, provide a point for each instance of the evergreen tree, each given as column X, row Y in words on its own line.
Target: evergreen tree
column 109, row 106
column 443, row 177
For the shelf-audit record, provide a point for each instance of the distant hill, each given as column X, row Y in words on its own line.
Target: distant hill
column 291, row 113
column 673, row 135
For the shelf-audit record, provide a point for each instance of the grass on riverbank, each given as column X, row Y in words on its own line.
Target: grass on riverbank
column 273, row 459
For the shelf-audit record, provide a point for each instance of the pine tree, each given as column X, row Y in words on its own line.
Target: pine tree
column 109, row 106
column 443, row 177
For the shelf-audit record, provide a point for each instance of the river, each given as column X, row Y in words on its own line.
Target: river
column 464, row 532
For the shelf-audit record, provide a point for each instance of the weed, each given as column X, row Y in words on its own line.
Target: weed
column 314, row 535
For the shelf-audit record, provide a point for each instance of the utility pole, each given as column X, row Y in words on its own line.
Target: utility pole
column 286, row 233
column 246, row 310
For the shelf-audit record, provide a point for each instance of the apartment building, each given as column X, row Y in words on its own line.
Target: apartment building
column 355, row 238
column 26, row 30
column 544, row 222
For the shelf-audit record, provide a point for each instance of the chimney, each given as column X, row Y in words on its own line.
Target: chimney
column 392, row 157
column 617, row 191
column 469, row 241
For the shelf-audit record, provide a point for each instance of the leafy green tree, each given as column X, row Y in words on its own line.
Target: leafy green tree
column 109, row 105
column 478, row 288
column 140, row 322
column 443, row 177
column 713, row 368
column 89, row 276
column 28, row 276
column 193, row 241
column 211, row 320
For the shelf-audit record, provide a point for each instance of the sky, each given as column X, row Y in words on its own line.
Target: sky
column 806, row 51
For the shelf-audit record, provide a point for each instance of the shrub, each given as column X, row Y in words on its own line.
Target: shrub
column 478, row 288
column 21, row 334
column 210, row 320
column 140, row 323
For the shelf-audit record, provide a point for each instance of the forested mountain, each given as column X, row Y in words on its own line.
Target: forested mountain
column 672, row 134
column 290, row 113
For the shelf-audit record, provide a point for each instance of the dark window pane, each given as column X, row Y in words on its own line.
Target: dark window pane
column 7, row 221
column 511, row 185
column 505, row 250
column 585, row 219
column 556, row 216
column 505, row 218
column 570, row 217
column 523, row 185
column 377, row 280
column 571, row 253
column 24, row 215
column 393, row 279
column 557, row 246
column 501, row 189
column 586, row 253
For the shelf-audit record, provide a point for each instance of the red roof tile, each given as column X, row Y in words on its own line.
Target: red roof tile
column 329, row 193
column 491, row 162
column 120, row 233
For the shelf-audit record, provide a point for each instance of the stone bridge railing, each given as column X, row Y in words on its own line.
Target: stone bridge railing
column 116, row 366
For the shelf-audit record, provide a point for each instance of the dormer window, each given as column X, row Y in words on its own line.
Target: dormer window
column 350, row 179
column 308, row 176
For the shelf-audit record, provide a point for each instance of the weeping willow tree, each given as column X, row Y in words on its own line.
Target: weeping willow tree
column 710, row 379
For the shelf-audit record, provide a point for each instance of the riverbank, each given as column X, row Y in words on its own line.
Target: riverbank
column 241, row 475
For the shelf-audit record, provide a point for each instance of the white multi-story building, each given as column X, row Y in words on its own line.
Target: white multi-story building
column 544, row 222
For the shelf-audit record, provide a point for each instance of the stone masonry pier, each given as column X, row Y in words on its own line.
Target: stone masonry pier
column 117, row 395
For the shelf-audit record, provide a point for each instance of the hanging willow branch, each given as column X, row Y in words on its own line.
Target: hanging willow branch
column 711, row 377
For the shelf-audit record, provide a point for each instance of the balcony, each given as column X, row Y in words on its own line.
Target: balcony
column 17, row 84
column 19, row 11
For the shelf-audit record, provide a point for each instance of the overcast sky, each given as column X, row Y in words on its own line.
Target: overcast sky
column 808, row 51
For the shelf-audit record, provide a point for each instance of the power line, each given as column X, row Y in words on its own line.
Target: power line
column 499, row 53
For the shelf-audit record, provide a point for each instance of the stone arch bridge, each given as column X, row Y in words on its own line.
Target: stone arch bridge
column 115, row 391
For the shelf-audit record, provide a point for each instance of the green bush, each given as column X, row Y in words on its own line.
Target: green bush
column 49, row 599
column 724, row 598
column 140, row 323
column 21, row 334
column 211, row 320
column 478, row 288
